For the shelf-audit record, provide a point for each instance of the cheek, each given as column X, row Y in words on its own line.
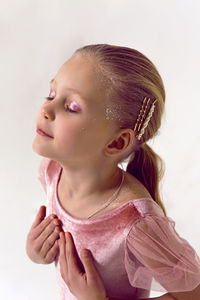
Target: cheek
column 79, row 140
column 69, row 134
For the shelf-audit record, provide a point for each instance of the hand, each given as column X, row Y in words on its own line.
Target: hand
column 84, row 285
column 41, row 244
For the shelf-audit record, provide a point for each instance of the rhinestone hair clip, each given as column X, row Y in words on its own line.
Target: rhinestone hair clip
column 142, row 122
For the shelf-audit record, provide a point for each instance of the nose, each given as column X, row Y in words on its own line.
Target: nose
column 48, row 112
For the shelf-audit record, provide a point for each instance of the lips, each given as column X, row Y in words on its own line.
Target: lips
column 43, row 133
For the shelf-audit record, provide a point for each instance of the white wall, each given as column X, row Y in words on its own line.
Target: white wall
column 36, row 37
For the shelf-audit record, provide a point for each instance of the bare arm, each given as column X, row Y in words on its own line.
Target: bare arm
column 163, row 297
column 191, row 295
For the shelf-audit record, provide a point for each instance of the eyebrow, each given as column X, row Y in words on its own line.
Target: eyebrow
column 70, row 89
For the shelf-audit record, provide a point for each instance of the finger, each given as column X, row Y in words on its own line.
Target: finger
column 62, row 256
column 72, row 256
column 62, row 245
column 49, row 242
column 88, row 263
column 40, row 216
column 52, row 253
column 52, row 227
column 46, row 225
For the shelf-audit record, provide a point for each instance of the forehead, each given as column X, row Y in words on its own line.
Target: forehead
column 80, row 73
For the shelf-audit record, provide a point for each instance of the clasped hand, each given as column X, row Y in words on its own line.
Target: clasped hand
column 46, row 240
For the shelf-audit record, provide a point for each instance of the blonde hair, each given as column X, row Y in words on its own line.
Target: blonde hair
column 131, row 77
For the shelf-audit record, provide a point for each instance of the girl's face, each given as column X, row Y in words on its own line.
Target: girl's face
column 74, row 115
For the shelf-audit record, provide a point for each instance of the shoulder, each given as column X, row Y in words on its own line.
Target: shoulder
column 136, row 192
column 133, row 188
column 135, row 185
column 131, row 191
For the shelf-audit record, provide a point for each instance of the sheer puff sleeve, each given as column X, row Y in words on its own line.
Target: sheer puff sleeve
column 157, row 258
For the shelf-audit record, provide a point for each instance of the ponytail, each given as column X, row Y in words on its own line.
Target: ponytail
column 148, row 167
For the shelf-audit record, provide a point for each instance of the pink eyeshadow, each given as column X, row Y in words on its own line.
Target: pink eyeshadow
column 52, row 93
column 74, row 106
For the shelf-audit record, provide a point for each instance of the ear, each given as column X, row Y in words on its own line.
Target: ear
column 122, row 142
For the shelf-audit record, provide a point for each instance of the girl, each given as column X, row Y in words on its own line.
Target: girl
column 104, row 104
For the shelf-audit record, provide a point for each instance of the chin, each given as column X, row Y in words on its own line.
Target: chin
column 39, row 149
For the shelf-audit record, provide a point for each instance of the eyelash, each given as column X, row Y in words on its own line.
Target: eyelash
column 67, row 109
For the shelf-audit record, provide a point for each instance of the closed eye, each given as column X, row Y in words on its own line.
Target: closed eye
column 48, row 98
column 66, row 106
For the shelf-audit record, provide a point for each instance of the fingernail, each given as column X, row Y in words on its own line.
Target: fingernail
column 61, row 233
column 56, row 222
column 84, row 253
column 57, row 229
column 67, row 235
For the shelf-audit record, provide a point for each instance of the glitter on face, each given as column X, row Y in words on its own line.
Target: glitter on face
column 113, row 114
column 109, row 114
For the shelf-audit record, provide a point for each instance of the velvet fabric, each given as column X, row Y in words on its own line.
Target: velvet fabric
column 135, row 247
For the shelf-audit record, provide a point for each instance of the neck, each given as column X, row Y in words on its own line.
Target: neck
column 89, row 185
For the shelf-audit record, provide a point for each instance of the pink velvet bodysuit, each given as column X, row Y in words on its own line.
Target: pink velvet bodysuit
column 135, row 247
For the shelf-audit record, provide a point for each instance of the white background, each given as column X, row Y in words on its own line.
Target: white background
column 36, row 37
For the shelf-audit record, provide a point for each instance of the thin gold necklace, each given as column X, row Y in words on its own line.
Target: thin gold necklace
column 110, row 199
